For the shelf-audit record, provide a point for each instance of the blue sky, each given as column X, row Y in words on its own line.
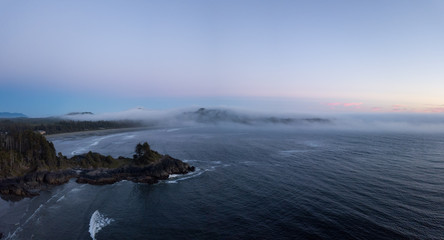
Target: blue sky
column 301, row 56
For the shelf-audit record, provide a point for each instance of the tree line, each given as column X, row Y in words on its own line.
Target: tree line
column 53, row 126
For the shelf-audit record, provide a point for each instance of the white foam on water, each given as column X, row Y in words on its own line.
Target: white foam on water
column 178, row 178
column 98, row 140
column 77, row 189
column 313, row 143
column 54, row 196
column 97, row 222
column 172, row 129
column 78, row 151
column 128, row 137
column 33, row 214
column 192, row 176
column 189, row 160
column 212, row 168
column 61, row 198
column 19, row 229
column 175, row 178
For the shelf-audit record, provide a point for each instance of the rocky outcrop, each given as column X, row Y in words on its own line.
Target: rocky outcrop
column 30, row 184
column 151, row 173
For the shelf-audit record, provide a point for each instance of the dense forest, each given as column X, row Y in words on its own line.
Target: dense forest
column 56, row 125
column 26, row 151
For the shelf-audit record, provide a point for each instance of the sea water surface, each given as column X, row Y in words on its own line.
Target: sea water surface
column 250, row 183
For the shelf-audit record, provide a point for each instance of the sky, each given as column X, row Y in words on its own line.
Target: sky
column 307, row 56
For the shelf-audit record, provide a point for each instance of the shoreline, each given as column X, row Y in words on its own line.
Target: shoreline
column 97, row 132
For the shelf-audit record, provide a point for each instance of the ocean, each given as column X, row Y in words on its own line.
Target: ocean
column 250, row 183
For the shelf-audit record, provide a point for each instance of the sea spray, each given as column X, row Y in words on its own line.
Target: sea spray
column 97, row 222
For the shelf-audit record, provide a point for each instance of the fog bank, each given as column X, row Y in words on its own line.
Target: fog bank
column 242, row 117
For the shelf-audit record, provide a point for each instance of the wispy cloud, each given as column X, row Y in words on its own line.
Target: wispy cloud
column 401, row 108
column 339, row 105
column 437, row 108
column 353, row 104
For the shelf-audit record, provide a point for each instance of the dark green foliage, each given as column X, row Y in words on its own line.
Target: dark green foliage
column 56, row 125
column 24, row 151
column 142, row 149
column 96, row 160
column 144, row 155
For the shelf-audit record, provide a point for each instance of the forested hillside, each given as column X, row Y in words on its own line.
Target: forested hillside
column 27, row 151
column 55, row 125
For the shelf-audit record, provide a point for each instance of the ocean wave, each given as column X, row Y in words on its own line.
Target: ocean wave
column 97, row 222
column 96, row 141
column 178, row 177
column 78, row 151
column 213, row 165
column 293, row 152
column 313, row 144
column 190, row 160
column 128, row 137
column 173, row 130
column 20, row 228
column 174, row 176
column 61, row 198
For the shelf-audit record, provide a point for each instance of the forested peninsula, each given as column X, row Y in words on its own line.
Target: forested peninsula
column 29, row 163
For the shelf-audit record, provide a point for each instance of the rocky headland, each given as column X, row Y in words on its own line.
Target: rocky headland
column 32, row 183
column 31, row 165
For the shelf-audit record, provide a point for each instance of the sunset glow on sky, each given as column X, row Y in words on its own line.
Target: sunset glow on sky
column 294, row 56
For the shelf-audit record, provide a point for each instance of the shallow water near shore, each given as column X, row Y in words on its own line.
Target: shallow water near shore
column 267, row 183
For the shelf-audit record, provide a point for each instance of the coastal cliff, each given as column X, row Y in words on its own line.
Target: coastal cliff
column 28, row 164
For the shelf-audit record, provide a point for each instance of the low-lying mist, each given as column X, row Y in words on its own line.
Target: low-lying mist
column 189, row 117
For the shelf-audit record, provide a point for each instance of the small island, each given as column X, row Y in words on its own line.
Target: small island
column 29, row 163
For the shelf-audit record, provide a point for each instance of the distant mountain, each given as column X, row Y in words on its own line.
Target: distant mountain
column 12, row 115
column 80, row 113
column 204, row 115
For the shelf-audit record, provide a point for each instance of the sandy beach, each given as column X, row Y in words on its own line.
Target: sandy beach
column 96, row 132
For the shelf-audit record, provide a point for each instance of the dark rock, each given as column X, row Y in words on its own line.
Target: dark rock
column 57, row 178
column 145, row 174
column 16, row 189
column 31, row 183
column 34, row 177
column 21, row 186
